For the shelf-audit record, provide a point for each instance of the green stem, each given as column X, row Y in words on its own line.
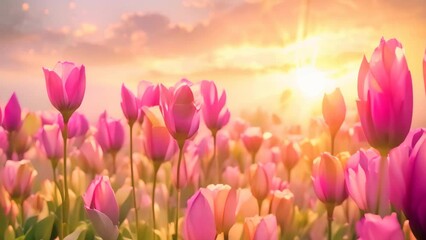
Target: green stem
column 178, row 189
column 215, row 157
column 330, row 210
column 133, row 180
column 156, row 167
column 21, row 202
column 65, row 204
column 55, row 195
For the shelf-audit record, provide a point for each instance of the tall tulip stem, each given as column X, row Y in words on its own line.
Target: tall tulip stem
column 156, row 167
column 333, row 139
column 382, row 171
column 215, row 157
column 65, row 204
column 114, row 157
column 181, row 144
column 133, row 180
column 330, row 210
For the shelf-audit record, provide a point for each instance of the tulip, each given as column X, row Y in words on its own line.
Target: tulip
column 51, row 140
column 374, row 227
column 385, row 92
column 110, row 136
column 362, row 182
column 282, row 206
column 5, row 203
column 12, row 114
column 17, row 178
column 225, row 207
column 182, row 119
column 91, row 156
column 223, row 145
column 291, row 154
column 333, row 111
column 252, row 139
column 148, row 95
column 1, row 117
column 102, row 208
column 231, row 176
column 66, row 85
column 189, row 168
column 260, row 179
column 258, row 228
column 329, row 183
column 77, row 126
column 424, row 70
column 200, row 210
column 407, row 170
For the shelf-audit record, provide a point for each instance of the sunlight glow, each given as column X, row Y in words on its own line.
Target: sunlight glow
column 312, row 83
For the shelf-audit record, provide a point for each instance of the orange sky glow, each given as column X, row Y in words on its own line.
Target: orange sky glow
column 278, row 55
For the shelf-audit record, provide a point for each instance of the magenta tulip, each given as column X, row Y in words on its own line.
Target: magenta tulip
column 362, row 181
column 51, row 139
column 215, row 115
column 179, row 110
column 1, row 117
column 102, row 208
column 385, row 92
column 252, row 138
column 110, row 134
column 66, row 85
column 374, row 227
column 78, row 125
column 329, row 179
column 200, row 210
column 189, row 168
column 148, row 95
column 17, row 178
column 407, row 171
column 129, row 105
column 259, row 228
column 12, row 114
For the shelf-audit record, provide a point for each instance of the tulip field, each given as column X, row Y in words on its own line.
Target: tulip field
column 179, row 164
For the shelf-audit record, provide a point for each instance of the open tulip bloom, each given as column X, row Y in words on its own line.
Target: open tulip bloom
column 176, row 165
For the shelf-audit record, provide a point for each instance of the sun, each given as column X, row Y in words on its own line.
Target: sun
column 312, row 83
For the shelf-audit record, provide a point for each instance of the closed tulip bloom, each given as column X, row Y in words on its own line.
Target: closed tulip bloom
column 374, row 227
column 223, row 145
column 102, row 208
column 158, row 143
column 78, row 125
column 200, row 217
column 334, row 110
column 17, row 178
column 385, row 92
column 129, row 105
column 232, row 176
column 180, row 113
column 260, row 179
column 1, row 117
column 362, row 181
column 407, row 170
column 225, row 206
column 110, row 134
column 282, row 206
column 260, row 228
column 189, row 168
column 66, row 85
column 328, row 178
column 148, row 95
column 51, row 139
column 252, row 139
column 12, row 114
column 291, row 154
column 215, row 114
column 91, row 156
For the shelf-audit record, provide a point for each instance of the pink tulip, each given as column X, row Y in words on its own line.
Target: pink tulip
column 5, row 203
column 260, row 179
column 223, row 146
column 66, row 85
column 259, row 228
column 232, row 176
column 4, row 143
column 179, row 110
column 385, row 92
column 424, row 70
column 17, row 178
column 282, row 206
column 1, row 117
column 158, row 143
column 252, row 139
column 375, row 227
column 12, row 114
column 148, row 95
column 102, row 208
column 225, row 206
column 51, row 139
column 237, row 127
column 291, row 154
column 110, row 134
column 130, row 105
column 78, row 125
column 91, row 156
column 215, row 115
column 407, row 171
column 362, row 181
column 200, row 217
column 334, row 110
column 328, row 178
column 189, row 168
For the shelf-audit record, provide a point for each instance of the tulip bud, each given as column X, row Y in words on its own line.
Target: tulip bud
column 260, row 178
column 51, row 139
column 17, row 178
column 225, row 205
column 91, row 156
column 129, row 105
column 12, row 114
column 258, row 228
column 334, row 110
column 252, row 139
column 110, row 134
column 200, row 210
column 374, row 227
column 232, row 176
column 282, row 206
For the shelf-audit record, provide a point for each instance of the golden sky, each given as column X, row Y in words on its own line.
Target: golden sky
column 254, row 49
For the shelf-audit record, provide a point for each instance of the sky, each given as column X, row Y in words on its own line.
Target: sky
column 279, row 55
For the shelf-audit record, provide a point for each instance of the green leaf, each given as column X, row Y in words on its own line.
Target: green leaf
column 30, row 223
column 43, row 229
